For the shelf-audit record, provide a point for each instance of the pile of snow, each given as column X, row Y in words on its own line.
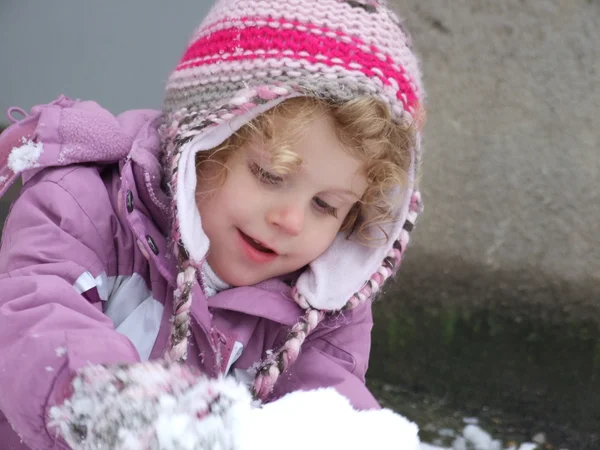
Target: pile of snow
column 153, row 405
column 25, row 157
column 165, row 407
column 323, row 419
column 319, row 420
column 474, row 438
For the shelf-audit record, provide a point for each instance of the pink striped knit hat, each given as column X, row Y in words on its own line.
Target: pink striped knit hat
column 246, row 57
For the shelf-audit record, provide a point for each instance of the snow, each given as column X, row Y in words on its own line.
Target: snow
column 167, row 407
column 323, row 419
column 474, row 438
column 480, row 439
column 25, row 157
column 176, row 428
column 539, row 438
column 446, row 432
column 148, row 405
column 65, row 153
column 425, row 446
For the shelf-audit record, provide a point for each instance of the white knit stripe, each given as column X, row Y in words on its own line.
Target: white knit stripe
column 318, row 27
column 245, row 70
column 316, row 12
column 202, row 74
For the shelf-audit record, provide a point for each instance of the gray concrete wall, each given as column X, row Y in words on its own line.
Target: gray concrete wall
column 512, row 173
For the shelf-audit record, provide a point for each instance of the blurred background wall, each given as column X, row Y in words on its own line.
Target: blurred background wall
column 512, row 172
column 117, row 53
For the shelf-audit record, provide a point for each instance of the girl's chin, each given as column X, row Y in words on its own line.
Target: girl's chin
column 237, row 282
column 239, row 278
column 244, row 276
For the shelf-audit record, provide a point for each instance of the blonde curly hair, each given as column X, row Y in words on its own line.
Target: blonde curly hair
column 366, row 129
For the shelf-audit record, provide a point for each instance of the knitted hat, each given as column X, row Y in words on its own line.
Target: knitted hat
column 246, row 57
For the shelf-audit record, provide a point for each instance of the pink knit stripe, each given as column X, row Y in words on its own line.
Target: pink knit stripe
column 392, row 43
column 289, row 43
column 234, row 37
column 373, row 31
column 258, row 38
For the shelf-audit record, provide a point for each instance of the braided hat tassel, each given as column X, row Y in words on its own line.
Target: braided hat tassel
column 180, row 328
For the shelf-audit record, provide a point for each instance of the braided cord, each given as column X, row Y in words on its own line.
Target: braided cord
column 277, row 363
column 180, row 328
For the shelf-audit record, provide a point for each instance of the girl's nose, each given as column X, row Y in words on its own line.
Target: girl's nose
column 288, row 217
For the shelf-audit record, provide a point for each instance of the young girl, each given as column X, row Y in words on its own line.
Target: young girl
column 242, row 231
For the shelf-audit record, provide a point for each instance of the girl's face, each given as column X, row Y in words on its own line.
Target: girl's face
column 263, row 225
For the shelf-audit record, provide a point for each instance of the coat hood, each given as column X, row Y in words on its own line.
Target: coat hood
column 66, row 132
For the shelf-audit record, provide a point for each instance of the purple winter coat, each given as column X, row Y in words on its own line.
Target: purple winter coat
column 86, row 277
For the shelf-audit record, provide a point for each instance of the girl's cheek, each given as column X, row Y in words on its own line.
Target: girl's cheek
column 322, row 239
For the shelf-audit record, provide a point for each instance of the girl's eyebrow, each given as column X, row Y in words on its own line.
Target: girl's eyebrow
column 264, row 157
column 345, row 193
column 259, row 153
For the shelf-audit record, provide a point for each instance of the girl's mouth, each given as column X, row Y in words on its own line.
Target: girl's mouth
column 256, row 250
column 256, row 244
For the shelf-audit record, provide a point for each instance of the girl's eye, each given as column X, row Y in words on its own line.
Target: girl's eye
column 325, row 207
column 264, row 176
